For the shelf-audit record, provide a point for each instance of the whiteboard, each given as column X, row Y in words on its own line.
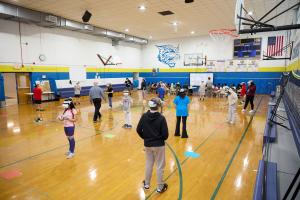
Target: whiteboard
column 77, row 73
column 196, row 78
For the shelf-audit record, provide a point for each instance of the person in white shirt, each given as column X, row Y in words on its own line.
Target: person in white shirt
column 126, row 104
column 77, row 90
column 209, row 88
column 232, row 100
column 202, row 91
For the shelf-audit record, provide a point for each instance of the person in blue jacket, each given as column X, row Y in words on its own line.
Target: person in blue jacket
column 182, row 109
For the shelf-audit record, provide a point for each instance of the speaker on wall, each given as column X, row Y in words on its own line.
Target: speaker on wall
column 86, row 16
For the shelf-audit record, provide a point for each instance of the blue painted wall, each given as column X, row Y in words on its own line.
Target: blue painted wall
column 2, row 94
column 51, row 76
column 265, row 81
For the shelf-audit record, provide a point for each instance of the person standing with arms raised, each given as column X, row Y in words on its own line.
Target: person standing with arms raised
column 96, row 95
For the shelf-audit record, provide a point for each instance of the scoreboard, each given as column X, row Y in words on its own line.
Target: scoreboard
column 249, row 48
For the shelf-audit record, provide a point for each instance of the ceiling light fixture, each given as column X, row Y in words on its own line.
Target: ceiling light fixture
column 192, row 32
column 142, row 7
column 250, row 13
column 150, row 37
column 126, row 30
column 174, row 23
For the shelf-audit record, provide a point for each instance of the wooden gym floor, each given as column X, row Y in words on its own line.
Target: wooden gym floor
column 109, row 161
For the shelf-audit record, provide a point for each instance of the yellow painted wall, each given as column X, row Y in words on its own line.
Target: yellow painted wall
column 10, row 68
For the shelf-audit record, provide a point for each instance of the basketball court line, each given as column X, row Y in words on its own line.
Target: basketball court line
column 233, row 155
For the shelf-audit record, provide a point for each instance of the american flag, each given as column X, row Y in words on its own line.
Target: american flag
column 275, row 45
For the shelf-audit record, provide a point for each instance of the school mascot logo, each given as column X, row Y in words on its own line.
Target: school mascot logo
column 168, row 54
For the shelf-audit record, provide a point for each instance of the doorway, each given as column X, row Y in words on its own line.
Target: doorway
column 10, row 89
column 16, row 88
column 23, row 87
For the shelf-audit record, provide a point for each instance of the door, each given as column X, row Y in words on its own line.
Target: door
column 10, row 89
column 23, row 87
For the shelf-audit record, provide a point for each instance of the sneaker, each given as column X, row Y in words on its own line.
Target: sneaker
column 70, row 155
column 125, row 126
column 163, row 189
column 251, row 111
column 129, row 126
column 244, row 110
column 145, row 186
column 232, row 122
column 40, row 119
column 67, row 153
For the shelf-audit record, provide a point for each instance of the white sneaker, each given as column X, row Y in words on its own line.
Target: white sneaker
column 244, row 110
column 70, row 155
column 251, row 111
column 232, row 122
column 67, row 153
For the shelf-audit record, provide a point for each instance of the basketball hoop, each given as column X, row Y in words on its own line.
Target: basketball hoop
column 222, row 34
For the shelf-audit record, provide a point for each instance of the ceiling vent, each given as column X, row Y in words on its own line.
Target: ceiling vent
column 166, row 12
column 189, row 1
column 51, row 19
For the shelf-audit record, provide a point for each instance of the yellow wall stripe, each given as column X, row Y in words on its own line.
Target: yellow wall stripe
column 271, row 69
column 34, row 68
column 11, row 68
column 294, row 66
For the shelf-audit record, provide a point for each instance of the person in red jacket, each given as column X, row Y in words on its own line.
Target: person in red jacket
column 243, row 92
column 37, row 97
column 250, row 96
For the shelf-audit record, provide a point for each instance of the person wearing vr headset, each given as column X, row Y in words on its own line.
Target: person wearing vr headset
column 69, row 119
column 126, row 104
column 153, row 129
column 232, row 100
column 182, row 111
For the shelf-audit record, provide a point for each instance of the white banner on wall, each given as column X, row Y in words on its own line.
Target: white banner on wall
column 197, row 78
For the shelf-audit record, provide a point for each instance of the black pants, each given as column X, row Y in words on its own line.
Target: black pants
column 249, row 99
column 97, row 105
column 177, row 131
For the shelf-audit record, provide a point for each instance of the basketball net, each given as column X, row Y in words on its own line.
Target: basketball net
column 222, row 34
